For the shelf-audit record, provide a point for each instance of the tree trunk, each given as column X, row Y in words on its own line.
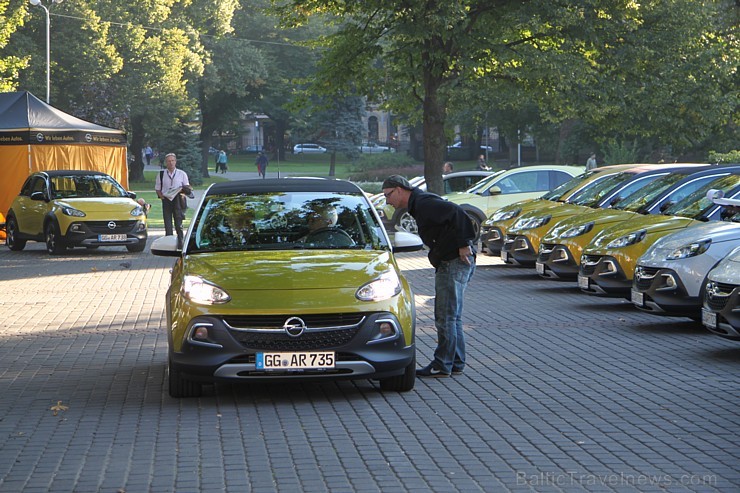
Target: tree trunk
column 136, row 165
column 333, row 163
column 434, row 135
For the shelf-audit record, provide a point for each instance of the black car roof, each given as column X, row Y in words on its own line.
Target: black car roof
column 72, row 172
column 260, row 185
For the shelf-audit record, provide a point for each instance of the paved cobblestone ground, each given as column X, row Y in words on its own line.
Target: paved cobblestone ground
column 563, row 392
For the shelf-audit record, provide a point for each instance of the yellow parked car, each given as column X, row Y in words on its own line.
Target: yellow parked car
column 522, row 241
column 494, row 229
column 608, row 262
column 509, row 186
column 67, row 209
column 561, row 248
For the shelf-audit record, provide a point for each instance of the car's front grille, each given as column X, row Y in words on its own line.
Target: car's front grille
column 645, row 279
column 279, row 340
column 718, row 298
column 102, row 227
column 267, row 332
column 588, row 264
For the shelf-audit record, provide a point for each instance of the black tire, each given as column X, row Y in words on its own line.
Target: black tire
column 54, row 242
column 139, row 247
column 12, row 240
column 404, row 221
column 401, row 383
column 180, row 387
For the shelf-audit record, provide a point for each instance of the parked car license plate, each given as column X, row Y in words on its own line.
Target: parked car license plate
column 637, row 297
column 111, row 237
column 539, row 267
column 504, row 255
column 708, row 318
column 294, row 361
column 583, row 282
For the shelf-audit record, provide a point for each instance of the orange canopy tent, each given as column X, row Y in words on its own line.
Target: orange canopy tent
column 37, row 137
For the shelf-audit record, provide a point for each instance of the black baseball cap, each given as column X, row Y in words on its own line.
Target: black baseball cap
column 397, row 181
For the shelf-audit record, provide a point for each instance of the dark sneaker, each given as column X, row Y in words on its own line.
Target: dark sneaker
column 457, row 371
column 431, row 371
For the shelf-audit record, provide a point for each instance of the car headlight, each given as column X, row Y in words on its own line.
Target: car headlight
column 579, row 230
column 198, row 290
column 137, row 211
column 504, row 215
column 70, row 211
column 690, row 250
column 627, row 240
column 384, row 287
column 533, row 222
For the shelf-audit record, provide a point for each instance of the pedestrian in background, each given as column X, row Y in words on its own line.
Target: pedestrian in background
column 447, row 231
column 261, row 163
column 482, row 165
column 221, row 162
column 167, row 184
column 591, row 162
column 447, row 167
column 148, row 155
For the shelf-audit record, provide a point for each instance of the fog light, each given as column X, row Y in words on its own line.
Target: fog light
column 385, row 329
column 670, row 282
column 201, row 333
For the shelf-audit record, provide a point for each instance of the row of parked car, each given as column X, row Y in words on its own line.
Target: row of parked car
column 666, row 237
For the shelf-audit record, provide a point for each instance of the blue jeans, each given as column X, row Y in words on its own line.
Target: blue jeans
column 450, row 281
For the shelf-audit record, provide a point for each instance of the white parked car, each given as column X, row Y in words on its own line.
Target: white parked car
column 459, row 145
column 308, row 149
column 374, row 148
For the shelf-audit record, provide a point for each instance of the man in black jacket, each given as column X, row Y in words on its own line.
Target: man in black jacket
column 447, row 231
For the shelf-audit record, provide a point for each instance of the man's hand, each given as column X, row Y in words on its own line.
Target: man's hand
column 465, row 253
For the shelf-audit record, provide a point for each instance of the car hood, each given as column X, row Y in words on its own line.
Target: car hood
column 289, row 269
column 600, row 218
column 99, row 204
column 461, row 197
column 653, row 224
column 724, row 236
column 726, row 271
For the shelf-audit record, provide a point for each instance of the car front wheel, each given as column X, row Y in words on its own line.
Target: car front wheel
column 54, row 242
column 401, row 383
column 180, row 386
column 406, row 222
column 12, row 240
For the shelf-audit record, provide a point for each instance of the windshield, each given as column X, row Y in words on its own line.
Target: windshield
column 85, row 186
column 643, row 199
column 483, row 185
column 591, row 194
column 558, row 192
column 697, row 203
column 284, row 221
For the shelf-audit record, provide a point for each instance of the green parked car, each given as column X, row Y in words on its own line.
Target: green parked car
column 288, row 279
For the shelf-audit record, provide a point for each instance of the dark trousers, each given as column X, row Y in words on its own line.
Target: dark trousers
column 172, row 213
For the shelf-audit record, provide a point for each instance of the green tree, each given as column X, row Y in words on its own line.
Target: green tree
column 11, row 18
column 337, row 125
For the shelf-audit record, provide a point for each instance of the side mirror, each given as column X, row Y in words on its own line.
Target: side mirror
column 403, row 241
column 132, row 195
column 38, row 196
column 166, row 246
column 665, row 205
column 494, row 190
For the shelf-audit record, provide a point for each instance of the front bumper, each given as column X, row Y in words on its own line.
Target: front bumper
column 556, row 262
column 230, row 352
column 661, row 292
column 602, row 275
column 518, row 250
column 721, row 311
column 492, row 240
column 97, row 233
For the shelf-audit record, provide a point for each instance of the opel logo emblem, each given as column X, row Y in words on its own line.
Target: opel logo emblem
column 112, row 225
column 294, row 327
column 88, row 138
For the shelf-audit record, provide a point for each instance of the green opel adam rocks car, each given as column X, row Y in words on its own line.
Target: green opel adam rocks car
column 288, row 279
column 71, row 208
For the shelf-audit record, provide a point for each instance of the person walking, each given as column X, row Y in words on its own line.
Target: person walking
column 482, row 164
column 591, row 162
column 221, row 161
column 447, row 231
column 148, row 155
column 172, row 186
column 261, row 163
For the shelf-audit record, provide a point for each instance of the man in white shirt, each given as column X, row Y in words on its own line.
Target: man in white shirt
column 167, row 180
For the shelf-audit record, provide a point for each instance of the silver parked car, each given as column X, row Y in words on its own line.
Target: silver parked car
column 670, row 276
column 721, row 310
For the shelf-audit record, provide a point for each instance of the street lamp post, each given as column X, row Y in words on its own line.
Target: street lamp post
column 48, row 21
